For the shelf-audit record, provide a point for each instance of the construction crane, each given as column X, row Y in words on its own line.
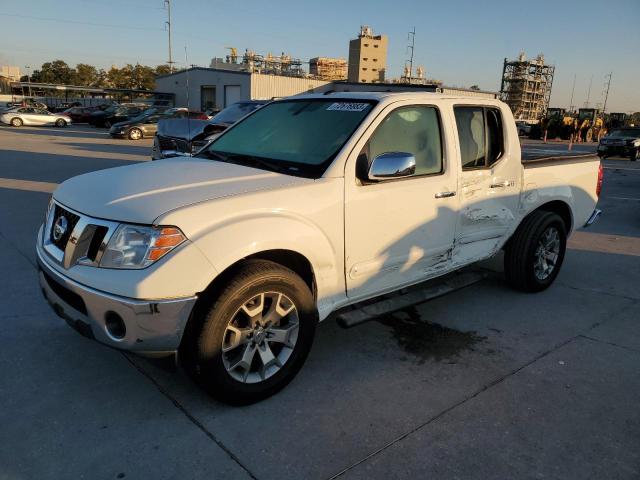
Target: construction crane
column 233, row 54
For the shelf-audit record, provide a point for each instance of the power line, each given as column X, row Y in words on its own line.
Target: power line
column 77, row 22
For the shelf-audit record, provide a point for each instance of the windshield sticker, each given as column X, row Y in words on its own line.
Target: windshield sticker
column 348, row 107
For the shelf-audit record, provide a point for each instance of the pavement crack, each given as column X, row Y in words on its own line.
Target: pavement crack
column 613, row 344
column 455, row 405
column 191, row 418
column 599, row 292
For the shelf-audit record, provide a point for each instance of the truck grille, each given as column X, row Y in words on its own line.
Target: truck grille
column 83, row 240
column 71, row 219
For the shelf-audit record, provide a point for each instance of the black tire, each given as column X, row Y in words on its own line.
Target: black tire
column 521, row 251
column 107, row 124
column 135, row 134
column 16, row 122
column 635, row 155
column 60, row 123
column 202, row 349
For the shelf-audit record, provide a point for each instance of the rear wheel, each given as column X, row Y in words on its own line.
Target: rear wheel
column 61, row 123
column 107, row 124
column 16, row 122
column 135, row 134
column 534, row 255
column 249, row 341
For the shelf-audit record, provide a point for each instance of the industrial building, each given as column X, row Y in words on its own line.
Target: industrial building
column 367, row 57
column 253, row 62
column 325, row 68
column 526, row 87
column 214, row 88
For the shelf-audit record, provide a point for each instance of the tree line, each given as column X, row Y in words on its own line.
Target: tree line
column 141, row 77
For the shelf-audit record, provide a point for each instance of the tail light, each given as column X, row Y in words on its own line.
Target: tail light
column 599, row 184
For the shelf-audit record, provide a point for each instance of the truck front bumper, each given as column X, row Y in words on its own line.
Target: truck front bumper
column 149, row 327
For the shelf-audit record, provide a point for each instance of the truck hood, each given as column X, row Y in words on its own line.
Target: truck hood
column 141, row 193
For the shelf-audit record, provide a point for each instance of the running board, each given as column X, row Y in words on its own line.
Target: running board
column 451, row 283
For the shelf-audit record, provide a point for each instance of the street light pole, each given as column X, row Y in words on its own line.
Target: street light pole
column 28, row 78
column 168, row 24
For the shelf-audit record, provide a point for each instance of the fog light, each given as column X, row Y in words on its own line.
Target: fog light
column 115, row 325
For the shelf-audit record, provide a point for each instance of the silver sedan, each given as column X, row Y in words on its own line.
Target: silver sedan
column 33, row 116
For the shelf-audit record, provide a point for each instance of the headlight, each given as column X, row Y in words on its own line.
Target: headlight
column 49, row 208
column 136, row 246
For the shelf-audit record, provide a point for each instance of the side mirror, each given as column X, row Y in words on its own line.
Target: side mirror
column 392, row 165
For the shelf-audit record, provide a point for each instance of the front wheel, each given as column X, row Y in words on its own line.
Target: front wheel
column 135, row 134
column 252, row 339
column 61, row 123
column 534, row 255
column 107, row 124
column 16, row 122
column 635, row 154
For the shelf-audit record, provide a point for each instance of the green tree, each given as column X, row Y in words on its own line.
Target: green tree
column 143, row 77
column 56, row 72
column 119, row 77
column 87, row 75
column 163, row 70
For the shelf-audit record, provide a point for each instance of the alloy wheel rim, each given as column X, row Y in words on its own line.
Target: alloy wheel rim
column 135, row 134
column 547, row 253
column 260, row 337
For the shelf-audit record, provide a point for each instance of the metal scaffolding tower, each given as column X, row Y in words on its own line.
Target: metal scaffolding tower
column 526, row 87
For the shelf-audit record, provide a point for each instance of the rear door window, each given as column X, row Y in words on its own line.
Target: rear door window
column 481, row 137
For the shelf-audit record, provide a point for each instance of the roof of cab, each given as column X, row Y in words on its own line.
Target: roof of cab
column 388, row 96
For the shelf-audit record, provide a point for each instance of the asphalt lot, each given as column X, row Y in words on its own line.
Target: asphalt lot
column 483, row 383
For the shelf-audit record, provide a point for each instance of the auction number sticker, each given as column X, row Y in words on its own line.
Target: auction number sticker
column 348, row 106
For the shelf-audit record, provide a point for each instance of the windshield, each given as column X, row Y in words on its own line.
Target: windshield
column 297, row 137
column 629, row 132
column 235, row 112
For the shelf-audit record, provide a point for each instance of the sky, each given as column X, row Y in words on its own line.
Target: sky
column 461, row 43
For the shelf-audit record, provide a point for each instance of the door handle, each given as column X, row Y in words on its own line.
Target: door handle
column 445, row 194
column 503, row 184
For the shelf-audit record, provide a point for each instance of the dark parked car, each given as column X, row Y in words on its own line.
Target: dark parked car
column 183, row 138
column 146, row 124
column 115, row 114
column 80, row 114
column 621, row 142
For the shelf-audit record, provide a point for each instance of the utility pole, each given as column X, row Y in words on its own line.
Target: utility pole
column 606, row 95
column 586, row 104
column 167, row 4
column 572, row 91
column 411, row 36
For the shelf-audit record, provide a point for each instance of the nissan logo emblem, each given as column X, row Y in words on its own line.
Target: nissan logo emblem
column 59, row 228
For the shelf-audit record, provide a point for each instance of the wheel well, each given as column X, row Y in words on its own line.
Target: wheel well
column 560, row 208
column 287, row 258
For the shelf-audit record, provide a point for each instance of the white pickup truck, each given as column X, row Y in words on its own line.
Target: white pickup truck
column 310, row 204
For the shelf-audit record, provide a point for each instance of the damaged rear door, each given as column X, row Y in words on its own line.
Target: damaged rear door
column 490, row 177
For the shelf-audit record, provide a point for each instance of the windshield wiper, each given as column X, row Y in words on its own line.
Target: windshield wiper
column 214, row 156
column 250, row 160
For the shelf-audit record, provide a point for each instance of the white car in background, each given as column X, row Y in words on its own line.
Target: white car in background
column 33, row 116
